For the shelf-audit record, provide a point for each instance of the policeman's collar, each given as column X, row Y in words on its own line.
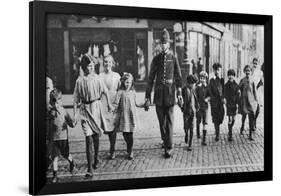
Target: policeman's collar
column 167, row 52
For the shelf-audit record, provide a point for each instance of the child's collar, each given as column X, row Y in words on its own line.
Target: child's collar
column 215, row 77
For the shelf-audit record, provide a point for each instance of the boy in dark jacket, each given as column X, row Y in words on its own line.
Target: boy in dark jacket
column 202, row 114
column 58, row 133
column 189, row 109
column 231, row 94
column 215, row 91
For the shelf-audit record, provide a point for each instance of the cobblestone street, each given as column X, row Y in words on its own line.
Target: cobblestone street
column 241, row 155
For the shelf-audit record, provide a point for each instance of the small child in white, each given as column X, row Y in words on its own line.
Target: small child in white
column 58, row 133
column 127, row 121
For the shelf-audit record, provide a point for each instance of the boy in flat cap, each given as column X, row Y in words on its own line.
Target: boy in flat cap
column 189, row 109
column 166, row 70
column 215, row 91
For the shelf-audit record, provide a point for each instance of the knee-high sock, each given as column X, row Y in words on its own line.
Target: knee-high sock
column 96, row 141
column 112, row 140
column 89, row 152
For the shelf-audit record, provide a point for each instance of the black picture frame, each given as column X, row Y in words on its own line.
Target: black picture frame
column 37, row 70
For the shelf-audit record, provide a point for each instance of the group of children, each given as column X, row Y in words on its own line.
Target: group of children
column 58, row 121
column 196, row 96
column 240, row 97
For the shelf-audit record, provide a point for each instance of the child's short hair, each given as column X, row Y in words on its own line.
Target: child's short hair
column 247, row 67
column 55, row 95
column 191, row 79
column 231, row 72
column 125, row 77
column 203, row 74
column 255, row 59
column 216, row 66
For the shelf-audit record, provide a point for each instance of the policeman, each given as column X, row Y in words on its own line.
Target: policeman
column 166, row 70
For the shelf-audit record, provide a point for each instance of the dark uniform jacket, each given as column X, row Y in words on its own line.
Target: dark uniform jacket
column 215, row 91
column 188, row 108
column 165, row 70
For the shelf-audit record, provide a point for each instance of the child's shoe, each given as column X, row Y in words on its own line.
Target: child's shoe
column 241, row 131
column 96, row 163
column 168, row 153
column 89, row 175
column 204, row 138
column 71, row 166
column 112, row 156
column 55, row 177
column 189, row 148
column 251, row 138
column 131, row 156
column 230, row 139
column 217, row 138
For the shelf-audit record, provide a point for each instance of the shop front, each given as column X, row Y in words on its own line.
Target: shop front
column 125, row 39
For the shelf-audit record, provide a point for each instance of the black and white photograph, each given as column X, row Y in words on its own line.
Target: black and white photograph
column 132, row 98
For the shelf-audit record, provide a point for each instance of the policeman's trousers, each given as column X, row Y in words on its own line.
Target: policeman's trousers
column 166, row 119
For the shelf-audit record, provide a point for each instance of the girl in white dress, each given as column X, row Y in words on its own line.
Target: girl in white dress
column 111, row 80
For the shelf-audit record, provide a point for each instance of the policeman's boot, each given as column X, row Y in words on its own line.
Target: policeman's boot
column 198, row 131
column 243, row 123
column 204, row 138
column 96, row 162
column 250, row 135
column 217, row 128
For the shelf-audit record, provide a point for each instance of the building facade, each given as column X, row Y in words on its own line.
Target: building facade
column 133, row 43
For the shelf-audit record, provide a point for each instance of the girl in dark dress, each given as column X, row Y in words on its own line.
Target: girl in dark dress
column 231, row 94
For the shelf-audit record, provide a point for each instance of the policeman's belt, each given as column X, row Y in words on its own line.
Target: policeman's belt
column 91, row 101
column 165, row 81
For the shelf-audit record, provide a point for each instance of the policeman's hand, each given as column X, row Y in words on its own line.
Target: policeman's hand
column 180, row 100
column 110, row 108
column 75, row 119
column 146, row 104
column 224, row 101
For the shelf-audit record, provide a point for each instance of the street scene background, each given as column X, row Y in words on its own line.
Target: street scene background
column 133, row 43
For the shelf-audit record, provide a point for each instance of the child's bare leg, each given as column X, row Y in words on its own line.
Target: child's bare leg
column 55, row 169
